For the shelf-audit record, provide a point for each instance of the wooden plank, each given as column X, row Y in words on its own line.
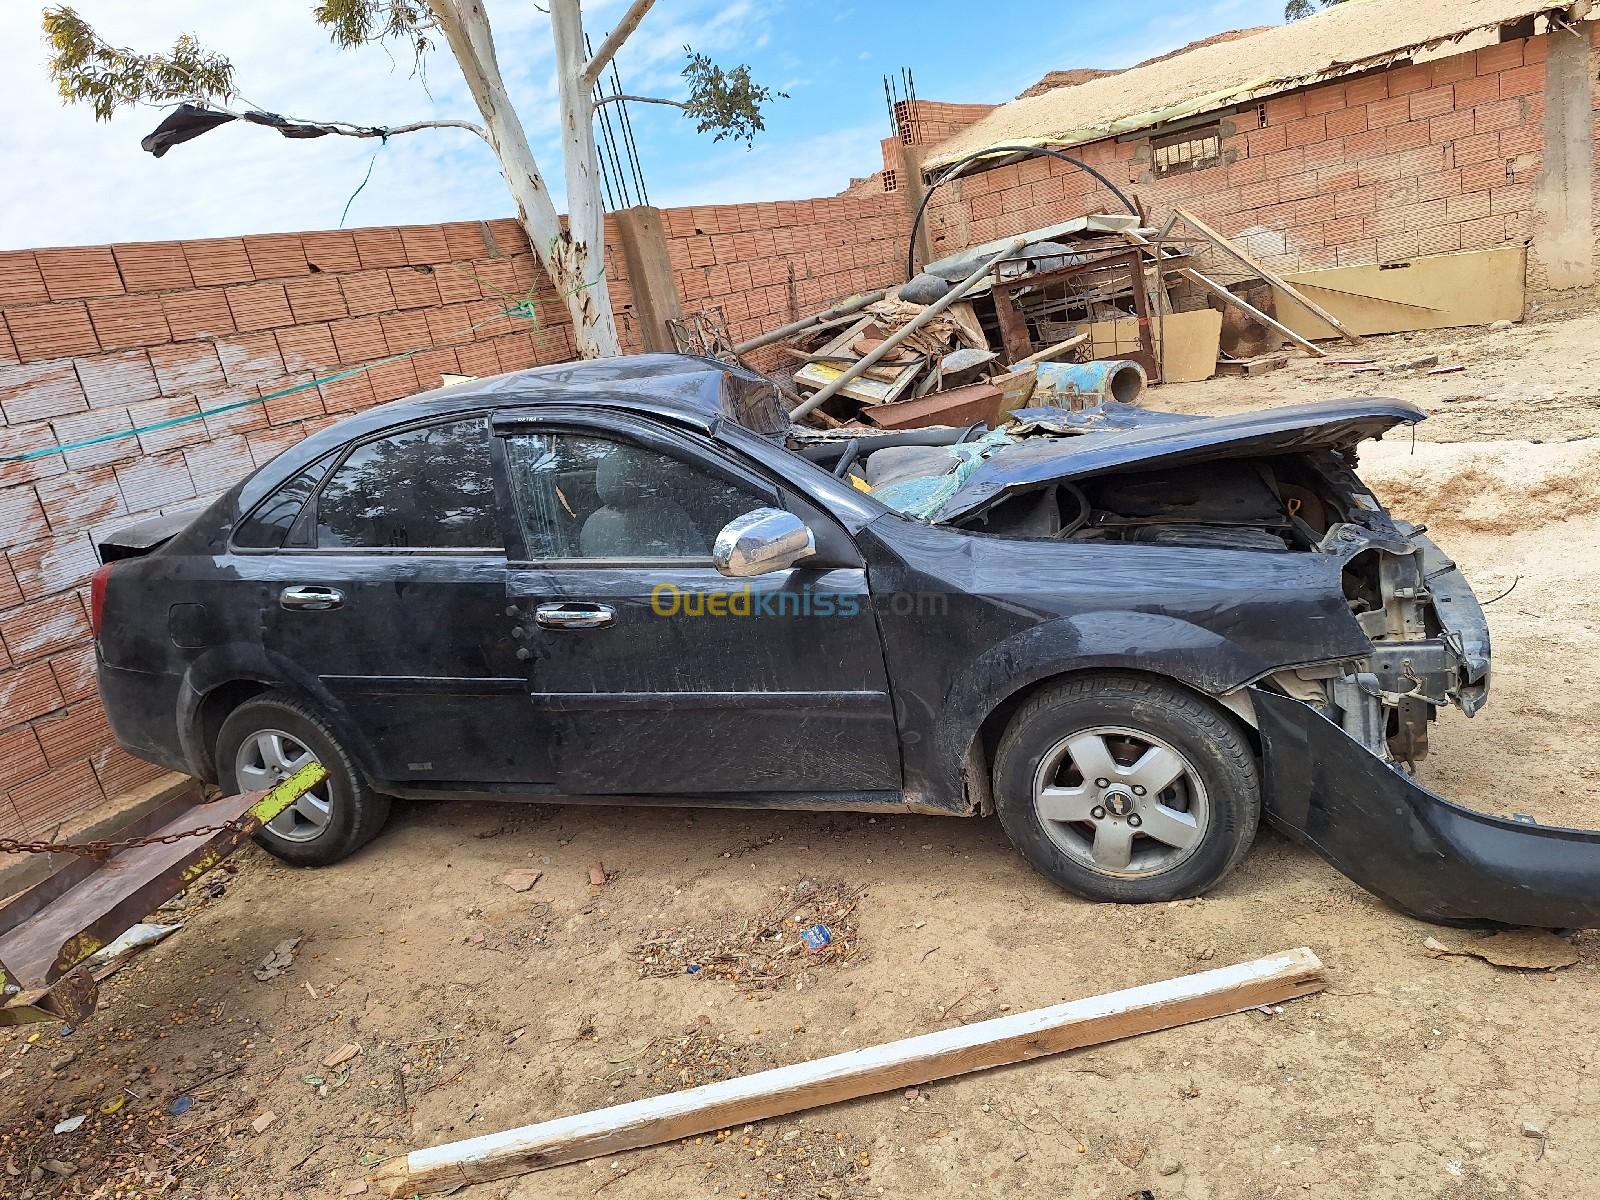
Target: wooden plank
column 857, row 1073
column 1050, row 353
column 1227, row 297
column 1272, row 277
column 1434, row 291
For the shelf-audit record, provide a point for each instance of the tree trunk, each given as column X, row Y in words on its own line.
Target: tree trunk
column 586, row 216
column 575, row 260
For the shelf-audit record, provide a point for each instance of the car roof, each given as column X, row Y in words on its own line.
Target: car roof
column 682, row 388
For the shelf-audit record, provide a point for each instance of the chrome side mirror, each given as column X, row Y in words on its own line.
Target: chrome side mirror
column 767, row 539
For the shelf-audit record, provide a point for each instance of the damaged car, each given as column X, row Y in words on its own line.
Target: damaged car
column 1130, row 635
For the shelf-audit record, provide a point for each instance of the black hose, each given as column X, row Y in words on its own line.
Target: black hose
column 954, row 169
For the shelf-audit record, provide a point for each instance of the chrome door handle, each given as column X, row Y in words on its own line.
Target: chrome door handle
column 575, row 616
column 311, row 598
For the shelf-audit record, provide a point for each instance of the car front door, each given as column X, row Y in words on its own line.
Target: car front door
column 389, row 589
column 651, row 672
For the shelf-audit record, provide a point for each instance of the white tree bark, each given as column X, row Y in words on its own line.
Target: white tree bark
column 586, row 216
column 573, row 257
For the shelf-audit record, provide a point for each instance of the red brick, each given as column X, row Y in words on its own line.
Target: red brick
column 52, row 565
column 1445, row 240
column 1449, row 126
column 465, row 239
column 129, row 321
column 1405, row 81
column 358, row 340
column 1438, row 185
column 1536, row 49
column 406, row 331
column 216, row 464
column 1367, row 89
column 1472, row 92
column 74, row 673
column 1480, row 147
column 21, row 756
column 97, row 426
column 1495, row 116
column 294, row 402
column 155, row 481
column 185, row 409
column 1434, row 102
column 392, row 380
column 424, row 244
column 10, row 589
column 237, row 411
column 153, row 266
column 1526, row 139
column 367, row 292
column 380, row 248
column 1346, row 121
column 477, row 359
column 258, row 306
column 1468, row 206
column 1456, row 67
column 1501, row 57
column 1388, row 112
column 186, row 368
column 80, row 500
column 79, row 272
column 455, row 282
column 33, row 631
column 250, row 358
column 1512, row 198
column 317, row 298
column 1283, row 109
column 307, row 348
column 74, row 733
column 276, row 255
column 431, row 364
column 217, row 261
column 52, row 331
column 30, row 691
column 331, row 252
column 1406, row 137
column 20, row 281
column 117, row 380
column 1482, row 176
column 197, row 314
column 35, row 391
column 118, row 772
column 413, row 287
column 346, row 395
column 63, row 792
column 1482, row 233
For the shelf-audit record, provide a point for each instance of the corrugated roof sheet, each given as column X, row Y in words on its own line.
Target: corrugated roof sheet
column 1348, row 37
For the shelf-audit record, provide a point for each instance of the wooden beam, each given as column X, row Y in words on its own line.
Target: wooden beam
column 1270, row 276
column 1227, row 297
column 856, row 1073
column 1052, row 352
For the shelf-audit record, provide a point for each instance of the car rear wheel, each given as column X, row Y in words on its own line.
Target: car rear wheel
column 270, row 737
column 1128, row 789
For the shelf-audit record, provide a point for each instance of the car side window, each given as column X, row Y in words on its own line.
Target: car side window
column 583, row 496
column 270, row 521
column 429, row 487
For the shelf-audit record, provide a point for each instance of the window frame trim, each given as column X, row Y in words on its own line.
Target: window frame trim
column 638, row 431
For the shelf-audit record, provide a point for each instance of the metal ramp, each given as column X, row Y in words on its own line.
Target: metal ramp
column 48, row 931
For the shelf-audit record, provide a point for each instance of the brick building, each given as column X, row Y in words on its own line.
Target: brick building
column 1451, row 125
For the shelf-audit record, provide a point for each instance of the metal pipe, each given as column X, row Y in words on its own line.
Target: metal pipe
column 862, row 364
column 842, row 309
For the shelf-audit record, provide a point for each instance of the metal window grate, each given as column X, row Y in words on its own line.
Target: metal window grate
column 1190, row 150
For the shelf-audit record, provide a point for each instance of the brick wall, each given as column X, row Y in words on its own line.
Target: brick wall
column 741, row 256
column 98, row 339
column 1420, row 159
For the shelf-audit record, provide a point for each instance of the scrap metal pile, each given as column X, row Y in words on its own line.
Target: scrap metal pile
column 1075, row 314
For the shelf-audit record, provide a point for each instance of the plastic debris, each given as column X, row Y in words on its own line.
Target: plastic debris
column 141, row 935
column 180, row 1106
column 71, row 1124
column 277, row 962
column 816, row 937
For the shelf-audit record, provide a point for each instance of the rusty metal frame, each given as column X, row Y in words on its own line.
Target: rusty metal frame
column 48, row 931
column 1014, row 326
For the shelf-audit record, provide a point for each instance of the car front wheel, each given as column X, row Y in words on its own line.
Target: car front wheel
column 1126, row 788
column 270, row 737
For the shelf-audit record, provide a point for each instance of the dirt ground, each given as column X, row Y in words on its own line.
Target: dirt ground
column 477, row 1008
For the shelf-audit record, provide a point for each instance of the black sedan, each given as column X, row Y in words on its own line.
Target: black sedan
column 1129, row 634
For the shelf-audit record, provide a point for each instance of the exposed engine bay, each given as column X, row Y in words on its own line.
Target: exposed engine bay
column 1296, row 493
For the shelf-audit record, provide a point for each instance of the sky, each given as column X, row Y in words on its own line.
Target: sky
column 74, row 181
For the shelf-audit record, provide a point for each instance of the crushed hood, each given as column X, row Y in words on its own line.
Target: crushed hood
column 1119, row 436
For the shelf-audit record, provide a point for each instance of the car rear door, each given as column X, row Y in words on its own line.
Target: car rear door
column 390, row 590
column 651, row 673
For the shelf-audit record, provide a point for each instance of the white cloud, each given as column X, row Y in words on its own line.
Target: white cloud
column 820, row 165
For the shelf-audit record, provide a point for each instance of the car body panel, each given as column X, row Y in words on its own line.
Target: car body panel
column 1294, row 428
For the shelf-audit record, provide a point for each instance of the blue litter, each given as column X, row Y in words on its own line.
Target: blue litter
column 180, row 1106
column 693, row 968
column 816, row 937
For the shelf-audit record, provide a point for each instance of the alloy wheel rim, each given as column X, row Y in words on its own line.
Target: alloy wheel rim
column 1121, row 801
column 266, row 758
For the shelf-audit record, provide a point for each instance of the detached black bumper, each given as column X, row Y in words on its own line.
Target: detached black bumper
column 1418, row 851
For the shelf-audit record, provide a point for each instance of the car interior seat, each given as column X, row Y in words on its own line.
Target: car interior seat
column 638, row 514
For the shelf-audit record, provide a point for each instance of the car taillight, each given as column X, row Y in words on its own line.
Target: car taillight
column 97, row 596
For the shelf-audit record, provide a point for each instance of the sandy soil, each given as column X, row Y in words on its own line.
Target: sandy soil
column 478, row 1008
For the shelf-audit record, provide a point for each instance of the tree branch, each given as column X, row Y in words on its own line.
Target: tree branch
column 599, row 100
column 614, row 39
column 349, row 129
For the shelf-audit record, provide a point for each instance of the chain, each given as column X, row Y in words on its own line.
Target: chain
column 104, row 848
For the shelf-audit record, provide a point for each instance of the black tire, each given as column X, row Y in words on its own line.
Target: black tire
column 1220, row 760
column 356, row 814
